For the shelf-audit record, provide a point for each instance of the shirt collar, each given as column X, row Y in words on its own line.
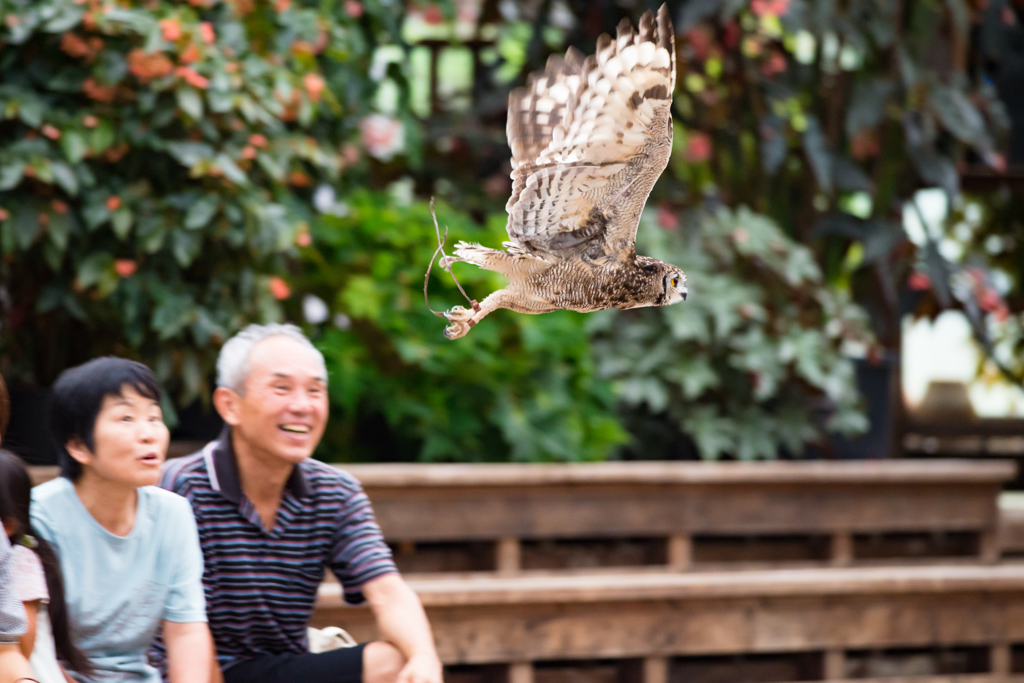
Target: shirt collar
column 224, row 477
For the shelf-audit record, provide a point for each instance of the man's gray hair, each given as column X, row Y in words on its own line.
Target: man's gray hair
column 233, row 362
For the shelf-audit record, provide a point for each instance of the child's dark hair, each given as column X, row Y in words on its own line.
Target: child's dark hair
column 15, row 499
column 78, row 398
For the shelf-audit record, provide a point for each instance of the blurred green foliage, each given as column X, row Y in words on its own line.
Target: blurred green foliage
column 754, row 364
column 525, row 389
column 156, row 165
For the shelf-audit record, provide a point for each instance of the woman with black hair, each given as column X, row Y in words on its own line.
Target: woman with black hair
column 129, row 550
column 36, row 578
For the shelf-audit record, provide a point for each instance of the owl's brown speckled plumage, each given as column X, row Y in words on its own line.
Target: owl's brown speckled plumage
column 589, row 138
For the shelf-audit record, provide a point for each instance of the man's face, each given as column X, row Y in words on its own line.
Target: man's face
column 284, row 409
column 129, row 440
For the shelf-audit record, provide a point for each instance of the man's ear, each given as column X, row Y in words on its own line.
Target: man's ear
column 226, row 402
column 79, row 451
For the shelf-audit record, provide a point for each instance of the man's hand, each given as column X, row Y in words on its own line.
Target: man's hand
column 403, row 623
column 421, row 669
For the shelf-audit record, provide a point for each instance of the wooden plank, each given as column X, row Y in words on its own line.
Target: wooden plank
column 655, row 670
column 508, row 555
column 505, row 620
column 835, row 665
column 957, row 678
column 680, row 552
column 520, row 672
column 841, row 549
column 1011, row 530
column 1001, row 659
column 951, row 471
column 601, row 511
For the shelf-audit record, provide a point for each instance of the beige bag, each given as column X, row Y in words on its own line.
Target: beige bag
column 330, row 638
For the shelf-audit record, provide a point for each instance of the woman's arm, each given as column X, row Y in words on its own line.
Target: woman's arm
column 189, row 652
column 28, row 641
column 13, row 665
column 403, row 623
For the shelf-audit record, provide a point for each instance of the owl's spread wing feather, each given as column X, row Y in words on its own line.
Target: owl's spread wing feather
column 581, row 133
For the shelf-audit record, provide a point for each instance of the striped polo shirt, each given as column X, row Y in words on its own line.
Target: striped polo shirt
column 261, row 585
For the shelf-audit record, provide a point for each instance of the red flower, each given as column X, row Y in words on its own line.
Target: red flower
column 700, row 42
column 146, row 66
column 732, row 35
column 249, row 152
column 125, row 267
column 171, row 29
column 257, row 140
column 100, row 93
column 113, row 203
column 432, row 14
column 775, row 64
column 698, row 148
column 765, row 7
column 90, row 121
column 59, row 206
column 919, row 282
column 279, row 288
column 666, row 219
column 191, row 54
column 4, row 214
column 50, row 132
column 191, row 77
column 314, row 85
column 206, row 33
column 353, row 8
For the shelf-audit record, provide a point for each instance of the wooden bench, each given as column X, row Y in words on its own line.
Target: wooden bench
column 685, row 505
column 663, row 620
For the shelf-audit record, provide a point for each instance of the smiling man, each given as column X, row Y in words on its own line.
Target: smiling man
column 271, row 521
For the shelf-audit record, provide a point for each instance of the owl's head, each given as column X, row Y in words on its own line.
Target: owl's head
column 674, row 284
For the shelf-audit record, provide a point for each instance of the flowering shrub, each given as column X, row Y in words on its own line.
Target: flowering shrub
column 157, row 162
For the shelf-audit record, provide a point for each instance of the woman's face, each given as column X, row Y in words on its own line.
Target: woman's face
column 129, row 440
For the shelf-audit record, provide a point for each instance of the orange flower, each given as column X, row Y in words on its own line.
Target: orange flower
column 59, row 206
column 191, row 54
column 192, row 78
column 90, row 121
column 279, row 288
column 146, row 66
column 171, row 29
column 257, row 140
column 249, row 152
column 113, row 203
column 298, row 178
column 75, row 46
column 282, row 5
column 314, row 85
column 100, row 93
column 125, row 267
column 4, row 214
column 206, row 33
column 50, row 132
column 303, row 239
column 303, row 47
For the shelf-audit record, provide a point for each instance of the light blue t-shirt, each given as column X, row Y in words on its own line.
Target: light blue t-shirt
column 120, row 589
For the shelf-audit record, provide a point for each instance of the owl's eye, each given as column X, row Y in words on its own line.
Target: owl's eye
column 675, row 281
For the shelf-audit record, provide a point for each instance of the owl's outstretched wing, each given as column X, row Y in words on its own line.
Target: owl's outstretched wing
column 585, row 131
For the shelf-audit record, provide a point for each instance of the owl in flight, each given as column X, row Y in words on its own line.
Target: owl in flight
column 589, row 138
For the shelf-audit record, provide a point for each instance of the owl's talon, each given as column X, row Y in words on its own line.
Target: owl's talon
column 461, row 320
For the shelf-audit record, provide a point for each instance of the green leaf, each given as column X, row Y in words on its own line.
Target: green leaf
column 818, row 153
column 65, row 177
column 102, row 137
column 11, row 174
column 75, row 145
column 190, row 153
column 92, row 268
column 121, row 220
column 190, row 102
column 26, row 226
column 201, row 212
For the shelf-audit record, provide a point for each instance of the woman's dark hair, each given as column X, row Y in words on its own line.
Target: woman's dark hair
column 15, row 499
column 5, row 407
column 78, row 397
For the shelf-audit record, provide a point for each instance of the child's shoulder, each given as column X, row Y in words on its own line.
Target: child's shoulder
column 27, row 575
